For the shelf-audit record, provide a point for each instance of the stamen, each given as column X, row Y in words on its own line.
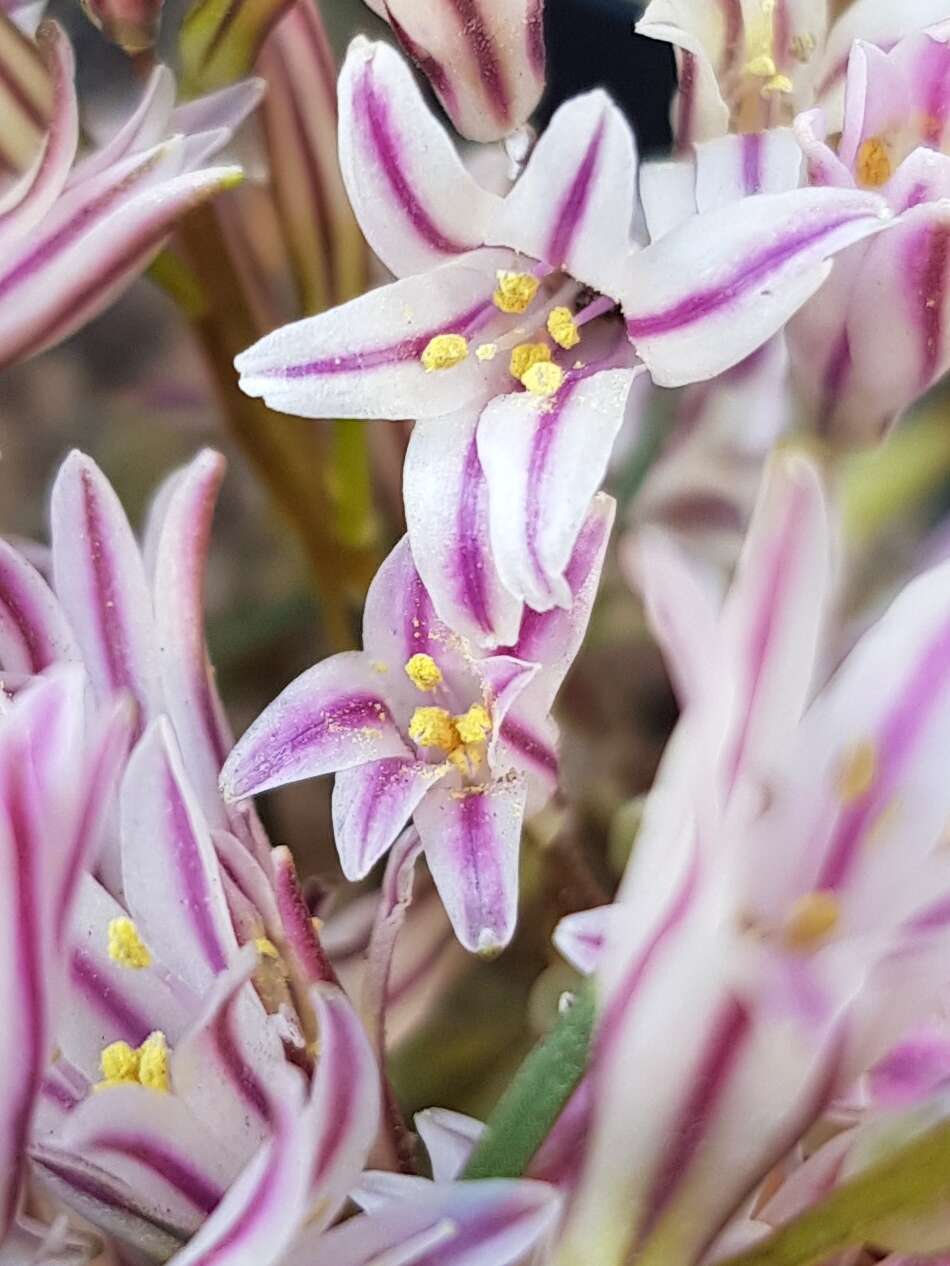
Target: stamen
column 474, row 726
column 445, row 351
column 266, row 947
column 596, row 308
column 486, row 351
column 153, row 1062
column 760, row 50
column 423, row 672
column 857, row 773
column 433, row 727
column 812, row 918
column 874, row 166
column 120, row 1064
column 515, row 292
column 525, row 355
column 124, row 1065
column 562, row 328
column 126, row 947
column 543, row 379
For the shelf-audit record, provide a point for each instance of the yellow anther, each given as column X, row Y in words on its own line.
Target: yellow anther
column 762, row 67
column 486, row 351
column 266, row 947
column 760, row 49
column 525, row 355
column 562, row 329
column 811, row 919
column 778, row 83
column 515, row 291
column 857, row 772
column 126, row 947
column 153, row 1062
column 474, row 726
column 424, row 673
column 444, row 352
column 120, row 1064
column 874, row 167
column 433, row 727
column 543, row 379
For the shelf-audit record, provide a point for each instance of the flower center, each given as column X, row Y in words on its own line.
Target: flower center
column 462, row 738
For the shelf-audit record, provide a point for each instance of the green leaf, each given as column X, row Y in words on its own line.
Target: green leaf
column 540, row 1088
column 220, row 40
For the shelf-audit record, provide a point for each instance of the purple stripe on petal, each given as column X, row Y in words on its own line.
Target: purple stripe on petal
column 172, row 1169
column 30, row 607
column 191, row 873
column 340, row 1046
column 102, row 995
column 927, row 266
column 473, row 593
column 302, row 941
column 571, row 213
column 430, row 66
column 475, row 32
column 752, row 162
column 837, row 372
column 686, row 98
column 534, row 34
column 243, row 1077
column 529, row 747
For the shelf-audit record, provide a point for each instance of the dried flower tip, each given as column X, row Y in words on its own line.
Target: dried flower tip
column 445, row 351
column 562, row 328
column 525, row 355
column 126, row 947
column 515, row 291
column 423, row 672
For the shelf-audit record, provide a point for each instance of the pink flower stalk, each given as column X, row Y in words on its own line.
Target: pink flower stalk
column 421, row 724
column 783, row 922
column 74, row 234
column 748, row 65
column 875, row 337
column 505, row 335
column 483, row 58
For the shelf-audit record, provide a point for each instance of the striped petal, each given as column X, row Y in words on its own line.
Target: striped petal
column 363, row 360
column 34, row 632
column 472, row 840
column 414, row 198
column 580, row 937
column 484, row 58
column 703, row 35
column 334, row 716
column 735, row 167
column 169, row 868
column 219, row 40
column 26, row 98
column 142, row 128
column 447, row 512
column 371, row 805
column 709, row 293
column 100, row 580
column 543, row 461
column 573, row 206
column 448, row 1138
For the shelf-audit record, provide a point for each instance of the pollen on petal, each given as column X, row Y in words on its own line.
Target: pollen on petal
column 874, row 166
column 424, row 673
column 126, row 947
column 857, row 772
column 543, row 379
column 562, row 328
column 474, row 726
column 445, row 351
column 812, row 918
column 153, row 1062
column 515, row 291
column 486, row 351
column 433, row 727
column 120, row 1065
column 525, row 355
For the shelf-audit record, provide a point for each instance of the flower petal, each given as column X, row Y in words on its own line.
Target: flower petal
column 34, row 631
column 448, row 1138
column 472, row 840
column 543, row 461
column 580, row 937
column 143, row 128
column 363, row 360
column 334, row 716
column 447, row 512
column 667, row 194
column 708, row 294
column 704, row 35
column 26, row 97
column 735, row 167
column 371, row 805
column 415, row 200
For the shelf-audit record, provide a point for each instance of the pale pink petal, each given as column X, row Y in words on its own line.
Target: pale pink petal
column 447, row 512
column 413, row 196
column 334, row 716
column 371, row 805
column 34, row 631
column 822, row 164
column 472, row 839
column 580, row 937
column 735, row 167
column 704, row 35
column 449, row 1138
column 143, row 128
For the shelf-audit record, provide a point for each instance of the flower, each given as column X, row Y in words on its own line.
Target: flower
column 421, row 724
column 749, row 65
column 875, row 337
column 74, row 234
column 783, row 921
column 505, row 330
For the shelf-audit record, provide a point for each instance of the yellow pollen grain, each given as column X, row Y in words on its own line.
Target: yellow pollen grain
column 857, row 773
column 266, row 947
column 874, row 166
column 474, row 726
column 515, row 292
column 762, row 67
column 126, row 947
column 778, row 83
column 486, row 351
column 424, row 673
column 562, row 328
column 120, row 1064
column 525, row 355
column 812, row 918
column 433, row 727
column 153, row 1062
column 543, row 379
column 445, row 351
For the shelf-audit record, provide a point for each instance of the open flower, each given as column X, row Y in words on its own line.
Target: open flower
column 521, row 319
column 748, row 65
column 74, row 234
column 420, row 724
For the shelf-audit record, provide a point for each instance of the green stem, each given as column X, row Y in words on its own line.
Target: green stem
column 527, row 1111
column 351, row 485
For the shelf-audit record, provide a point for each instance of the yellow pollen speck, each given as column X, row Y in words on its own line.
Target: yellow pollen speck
column 266, row 947
column 525, row 355
column 126, row 947
column 562, row 329
column 813, row 917
column 874, row 164
column 778, row 83
column 543, row 379
column 762, row 67
column 433, row 727
column 486, row 351
column 474, row 725
column 857, row 772
column 515, row 291
column 120, row 1064
column 424, row 672
column 444, row 352
column 153, row 1062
